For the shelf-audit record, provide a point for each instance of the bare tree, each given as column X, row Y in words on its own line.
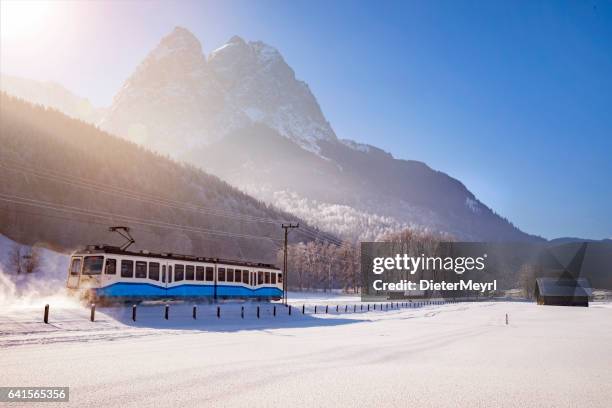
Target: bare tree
column 31, row 260
column 527, row 280
column 15, row 259
column 23, row 259
column 320, row 265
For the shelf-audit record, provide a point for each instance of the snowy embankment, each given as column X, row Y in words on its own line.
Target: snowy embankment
column 70, row 321
column 46, row 283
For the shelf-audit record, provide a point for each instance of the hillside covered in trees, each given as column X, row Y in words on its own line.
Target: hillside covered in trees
column 64, row 182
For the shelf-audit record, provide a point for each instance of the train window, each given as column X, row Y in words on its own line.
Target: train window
column 245, row 277
column 280, row 278
column 154, row 271
column 273, row 277
column 111, row 266
column 179, row 272
column 127, row 269
column 200, row 273
column 75, row 267
column 210, row 274
column 169, row 273
column 267, row 277
column 260, row 278
column 93, row 265
column 141, row 269
column 221, row 274
column 164, row 273
column 189, row 272
column 230, row 275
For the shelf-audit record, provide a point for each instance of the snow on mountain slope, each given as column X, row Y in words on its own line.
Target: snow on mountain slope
column 341, row 220
column 259, row 83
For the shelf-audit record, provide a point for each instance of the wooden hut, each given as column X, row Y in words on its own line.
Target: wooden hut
column 563, row 291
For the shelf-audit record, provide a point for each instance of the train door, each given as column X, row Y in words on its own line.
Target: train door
column 215, row 287
column 74, row 272
column 164, row 277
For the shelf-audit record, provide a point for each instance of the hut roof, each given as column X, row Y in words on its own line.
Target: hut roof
column 564, row 287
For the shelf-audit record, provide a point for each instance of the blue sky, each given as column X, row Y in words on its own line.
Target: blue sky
column 512, row 98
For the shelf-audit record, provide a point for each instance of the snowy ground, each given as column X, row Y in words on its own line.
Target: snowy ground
column 450, row 355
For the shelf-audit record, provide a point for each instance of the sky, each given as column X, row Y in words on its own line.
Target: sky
column 513, row 98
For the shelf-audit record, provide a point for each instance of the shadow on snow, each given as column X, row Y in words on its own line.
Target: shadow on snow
column 180, row 316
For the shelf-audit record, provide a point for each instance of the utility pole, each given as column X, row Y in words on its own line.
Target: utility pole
column 286, row 227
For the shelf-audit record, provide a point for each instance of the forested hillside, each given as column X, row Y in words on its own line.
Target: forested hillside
column 64, row 182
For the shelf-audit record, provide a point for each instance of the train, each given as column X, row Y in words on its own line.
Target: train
column 109, row 274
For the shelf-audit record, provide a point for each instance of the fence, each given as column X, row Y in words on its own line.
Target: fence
column 306, row 309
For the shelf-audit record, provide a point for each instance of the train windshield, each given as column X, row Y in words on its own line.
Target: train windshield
column 93, row 265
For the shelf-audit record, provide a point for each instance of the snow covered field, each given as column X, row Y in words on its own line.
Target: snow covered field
column 450, row 355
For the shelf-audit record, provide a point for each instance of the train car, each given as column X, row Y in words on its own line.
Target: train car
column 109, row 274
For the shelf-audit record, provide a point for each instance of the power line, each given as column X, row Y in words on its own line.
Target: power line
column 317, row 237
column 112, row 217
column 286, row 227
column 321, row 236
column 118, row 191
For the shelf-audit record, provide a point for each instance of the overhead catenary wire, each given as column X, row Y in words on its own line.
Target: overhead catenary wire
column 276, row 244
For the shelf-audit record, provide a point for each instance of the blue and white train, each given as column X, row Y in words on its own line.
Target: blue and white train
column 109, row 274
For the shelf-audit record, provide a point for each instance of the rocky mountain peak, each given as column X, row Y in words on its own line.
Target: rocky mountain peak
column 240, row 83
column 179, row 48
column 236, row 39
column 181, row 38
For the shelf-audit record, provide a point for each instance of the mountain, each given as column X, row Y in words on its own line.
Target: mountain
column 52, row 95
column 64, row 182
column 177, row 99
column 242, row 114
column 351, row 192
column 570, row 240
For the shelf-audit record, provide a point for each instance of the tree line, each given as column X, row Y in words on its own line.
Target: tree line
column 320, row 265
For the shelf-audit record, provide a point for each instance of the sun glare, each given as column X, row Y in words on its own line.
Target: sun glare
column 22, row 18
